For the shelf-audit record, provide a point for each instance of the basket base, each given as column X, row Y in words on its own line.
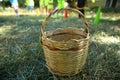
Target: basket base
column 64, row 74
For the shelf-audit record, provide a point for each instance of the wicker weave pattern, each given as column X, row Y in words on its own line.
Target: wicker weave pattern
column 65, row 49
column 67, row 63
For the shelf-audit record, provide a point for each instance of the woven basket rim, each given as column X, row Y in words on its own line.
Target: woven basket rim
column 71, row 40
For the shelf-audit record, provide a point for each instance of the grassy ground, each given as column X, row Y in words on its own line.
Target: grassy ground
column 22, row 57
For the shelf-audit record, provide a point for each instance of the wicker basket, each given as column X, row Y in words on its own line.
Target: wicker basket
column 65, row 49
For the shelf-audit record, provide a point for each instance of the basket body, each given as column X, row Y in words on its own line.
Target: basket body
column 65, row 50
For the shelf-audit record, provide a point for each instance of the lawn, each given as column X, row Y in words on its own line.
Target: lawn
column 22, row 56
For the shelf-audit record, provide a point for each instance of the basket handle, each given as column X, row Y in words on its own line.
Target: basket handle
column 69, row 9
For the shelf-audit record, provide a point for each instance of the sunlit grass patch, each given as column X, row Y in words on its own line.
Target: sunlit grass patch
column 104, row 38
column 110, row 40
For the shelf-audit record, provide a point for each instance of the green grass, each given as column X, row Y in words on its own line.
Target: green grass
column 22, row 57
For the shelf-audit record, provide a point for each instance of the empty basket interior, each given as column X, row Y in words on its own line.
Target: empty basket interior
column 66, row 34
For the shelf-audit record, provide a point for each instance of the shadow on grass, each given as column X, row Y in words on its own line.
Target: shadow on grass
column 103, row 61
column 22, row 56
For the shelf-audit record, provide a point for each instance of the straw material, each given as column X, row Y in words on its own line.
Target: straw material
column 65, row 50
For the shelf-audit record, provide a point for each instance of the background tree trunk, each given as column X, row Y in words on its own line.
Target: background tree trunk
column 114, row 2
